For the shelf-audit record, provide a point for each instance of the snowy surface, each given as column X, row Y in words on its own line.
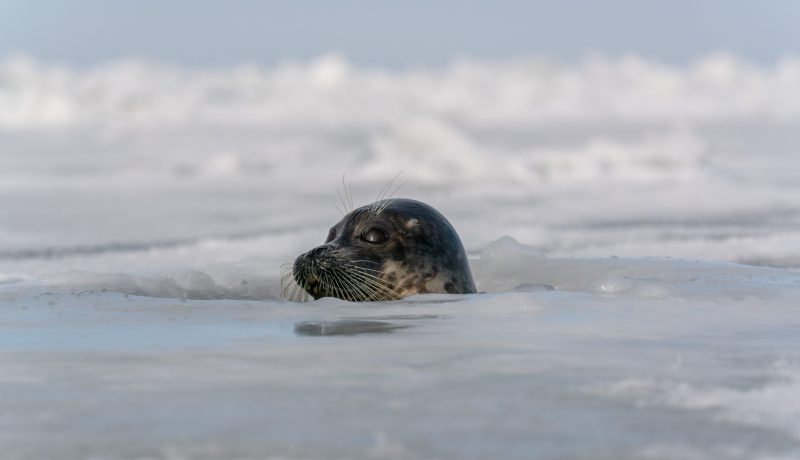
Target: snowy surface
column 634, row 229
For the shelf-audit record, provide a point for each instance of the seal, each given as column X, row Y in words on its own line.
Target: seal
column 386, row 250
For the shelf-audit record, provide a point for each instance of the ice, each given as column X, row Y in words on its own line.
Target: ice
column 633, row 229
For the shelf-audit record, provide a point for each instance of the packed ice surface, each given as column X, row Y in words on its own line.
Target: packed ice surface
column 634, row 230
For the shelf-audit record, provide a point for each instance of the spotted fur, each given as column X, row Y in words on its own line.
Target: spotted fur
column 422, row 253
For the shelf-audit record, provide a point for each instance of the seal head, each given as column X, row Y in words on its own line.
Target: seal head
column 387, row 250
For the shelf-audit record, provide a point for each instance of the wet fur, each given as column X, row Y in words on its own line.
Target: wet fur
column 423, row 254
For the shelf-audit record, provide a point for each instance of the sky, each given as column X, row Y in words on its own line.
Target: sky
column 394, row 33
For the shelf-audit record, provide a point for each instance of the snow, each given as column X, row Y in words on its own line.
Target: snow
column 633, row 229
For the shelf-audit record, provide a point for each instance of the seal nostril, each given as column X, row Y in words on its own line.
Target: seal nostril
column 316, row 252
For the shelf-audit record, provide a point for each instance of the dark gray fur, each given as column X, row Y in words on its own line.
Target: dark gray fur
column 423, row 254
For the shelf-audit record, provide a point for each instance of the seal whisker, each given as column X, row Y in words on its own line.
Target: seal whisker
column 375, row 293
column 354, row 261
column 285, row 287
column 368, row 287
column 369, row 270
column 364, row 260
column 325, row 280
column 340, row 285
column 374, row 204
column 375, row 283
column 350, row 193
column 290, row 289
column 292, row 296
column 382, row 193
column 353, row 287
column 299, row 294
column 365, row 271
column 373, row 280
column 286, row 272
column 294, row 293
column 339, row 209
column 360, row 284
column 388, row 200
column 363, row 291
column 376, row 286
column 342, row 201
column 302, row 294
column 341, row 289
column 345, row 196
column 386, row 195
column 365, row 275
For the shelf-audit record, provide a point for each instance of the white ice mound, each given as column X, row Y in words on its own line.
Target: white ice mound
column 507, row 265
column 504, row 265
column 239, row 281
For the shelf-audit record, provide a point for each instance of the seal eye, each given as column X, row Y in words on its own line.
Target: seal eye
column 331, row 235
column 374, row 236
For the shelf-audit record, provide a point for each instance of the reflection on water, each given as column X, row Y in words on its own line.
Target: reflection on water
column 539, row 373
column 345, row 327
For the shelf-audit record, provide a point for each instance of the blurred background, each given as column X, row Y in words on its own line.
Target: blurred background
column 151, row 136
column 160, row 160
column 389, row 34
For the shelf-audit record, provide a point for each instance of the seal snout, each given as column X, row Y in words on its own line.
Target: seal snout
column 308, row 269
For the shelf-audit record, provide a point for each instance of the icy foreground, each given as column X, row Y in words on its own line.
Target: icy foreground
column 649, row 309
